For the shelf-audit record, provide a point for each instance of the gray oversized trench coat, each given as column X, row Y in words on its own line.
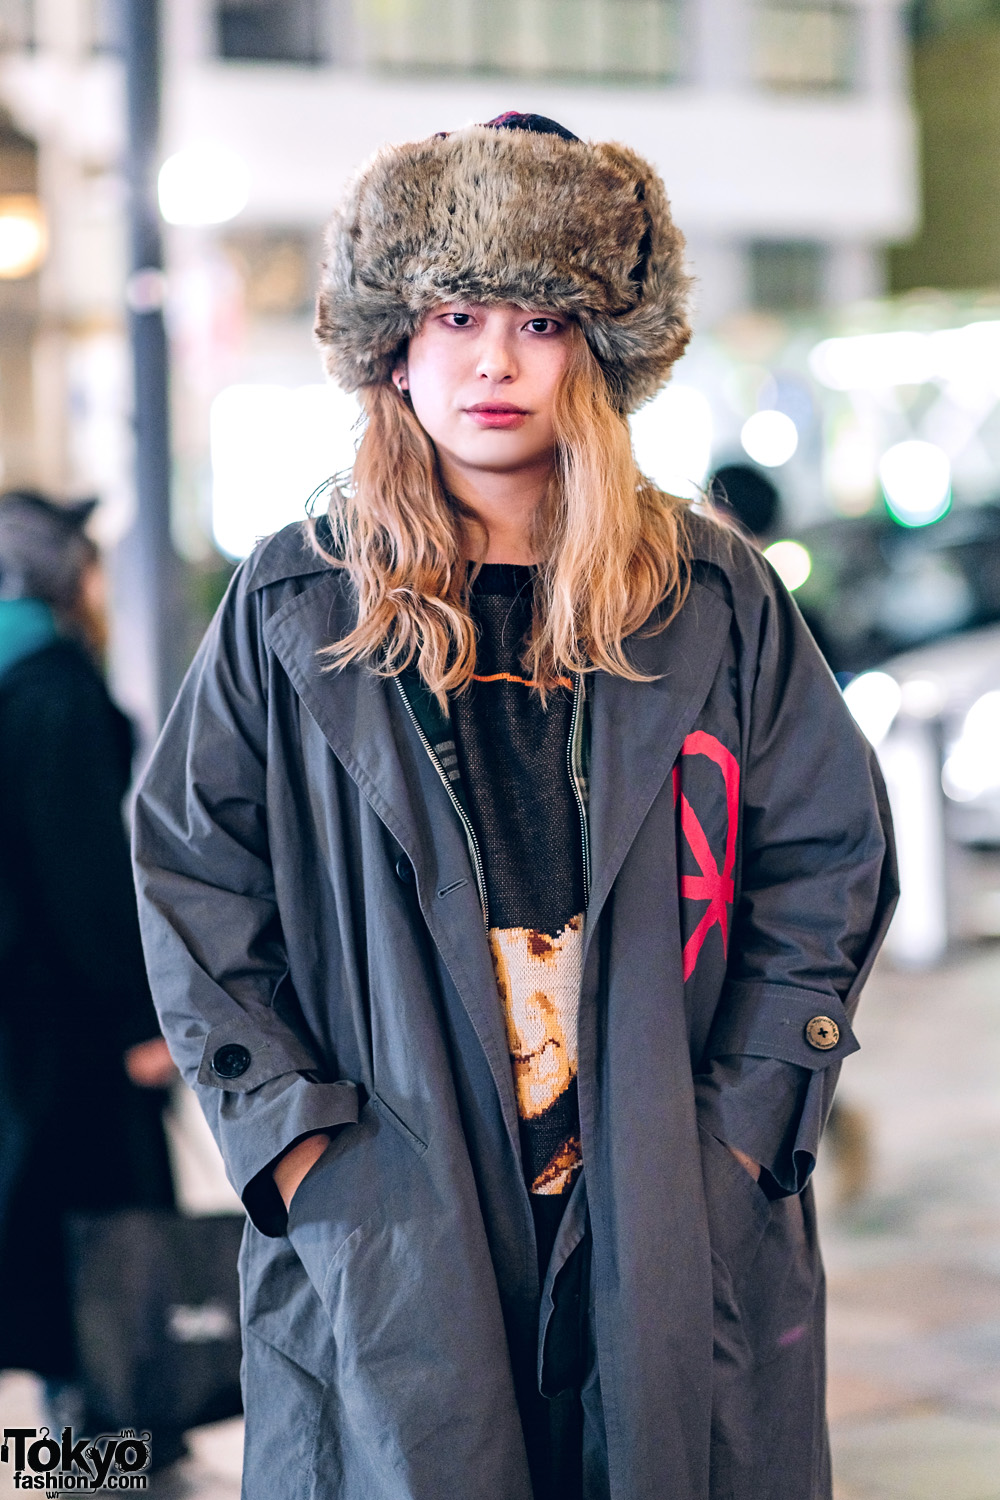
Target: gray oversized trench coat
column 318, row 957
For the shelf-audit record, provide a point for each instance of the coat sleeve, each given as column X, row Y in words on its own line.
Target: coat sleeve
column 817, row 889
column 210, row 922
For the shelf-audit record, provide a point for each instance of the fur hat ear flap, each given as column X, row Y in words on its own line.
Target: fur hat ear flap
column 516, row 211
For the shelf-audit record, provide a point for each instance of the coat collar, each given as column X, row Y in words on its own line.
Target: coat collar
column 364, row 720
column 637, row 729
column 637, row 732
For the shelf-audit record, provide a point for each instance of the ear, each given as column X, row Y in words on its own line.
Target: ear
column 399, row 378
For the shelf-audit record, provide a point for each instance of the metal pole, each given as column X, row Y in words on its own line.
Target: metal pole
column 150, row 560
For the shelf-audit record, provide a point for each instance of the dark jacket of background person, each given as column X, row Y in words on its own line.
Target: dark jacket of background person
column 319, row 959
column 75, row 1133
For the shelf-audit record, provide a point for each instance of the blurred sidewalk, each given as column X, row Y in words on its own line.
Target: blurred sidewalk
column 914, row 1266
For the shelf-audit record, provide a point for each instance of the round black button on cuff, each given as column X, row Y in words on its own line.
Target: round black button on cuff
column 231, row 1061
column 822, row 1033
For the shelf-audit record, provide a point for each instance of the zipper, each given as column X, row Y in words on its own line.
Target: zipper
column 470, row 832
column 576, row 775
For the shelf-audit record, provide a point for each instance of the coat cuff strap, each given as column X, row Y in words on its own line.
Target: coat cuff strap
column 243, row 1053
column 809, row 1028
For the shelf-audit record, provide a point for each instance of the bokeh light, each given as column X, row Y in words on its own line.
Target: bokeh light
column 672, row 439
column 923, row 697
column 878, row 361
column 973, row 766
column 23, row 238
column 872, row 361
column 791, row 561
column 272, row 446
column 770, row 438
column 916, row 480
column 204, row 184
column 873, row 699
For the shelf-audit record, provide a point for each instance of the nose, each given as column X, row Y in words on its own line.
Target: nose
column 496, row 360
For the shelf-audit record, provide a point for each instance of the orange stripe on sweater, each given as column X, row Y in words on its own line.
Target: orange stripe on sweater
column 524, row 681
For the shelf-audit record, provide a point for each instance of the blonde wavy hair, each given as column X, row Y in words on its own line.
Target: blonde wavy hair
column 611, row 546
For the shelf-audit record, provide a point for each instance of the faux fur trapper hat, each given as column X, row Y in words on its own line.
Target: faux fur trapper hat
column 518, row 210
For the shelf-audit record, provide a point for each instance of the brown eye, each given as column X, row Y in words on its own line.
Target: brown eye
column 459, row 320
column 543, row 325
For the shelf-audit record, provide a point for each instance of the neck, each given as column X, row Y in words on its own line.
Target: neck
column 503, row 504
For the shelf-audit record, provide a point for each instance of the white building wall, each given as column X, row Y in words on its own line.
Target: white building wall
column 736, row 165
column 742, row 164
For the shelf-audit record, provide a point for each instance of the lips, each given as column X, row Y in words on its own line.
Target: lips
column 496, row 414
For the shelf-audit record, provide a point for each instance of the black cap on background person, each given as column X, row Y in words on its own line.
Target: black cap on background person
column 44, row 547
column 46, row 555
column 750, row 497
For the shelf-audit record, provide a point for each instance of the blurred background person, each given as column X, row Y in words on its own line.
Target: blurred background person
column 749, row 497
column 83, row 1069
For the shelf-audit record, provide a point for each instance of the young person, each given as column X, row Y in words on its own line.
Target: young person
column 510, row 869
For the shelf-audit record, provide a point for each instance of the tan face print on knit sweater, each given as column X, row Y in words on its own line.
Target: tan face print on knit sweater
column 538, row 977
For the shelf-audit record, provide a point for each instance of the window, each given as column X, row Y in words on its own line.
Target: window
column 786, row 275
column 17, row 23
column 100, row 22
column 804, row 46
column 276, row 269
column 105, row 25
column 628, row 40
column 269, row 30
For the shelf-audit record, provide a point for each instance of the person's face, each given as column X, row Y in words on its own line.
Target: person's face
column 483, row 382
column 543, row 1064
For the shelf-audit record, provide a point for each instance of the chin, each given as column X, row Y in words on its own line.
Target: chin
column 502, row 456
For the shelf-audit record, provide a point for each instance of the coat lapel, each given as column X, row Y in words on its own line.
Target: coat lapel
column 364, row 721
column 637, row 733
column 637, row 729
column 349, row 707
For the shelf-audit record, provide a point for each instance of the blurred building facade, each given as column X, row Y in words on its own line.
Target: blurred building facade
column 783, row 130
column 957, row 95
column 782, row 127
column 19, row 310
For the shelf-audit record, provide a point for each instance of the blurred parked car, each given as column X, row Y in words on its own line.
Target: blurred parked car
column 934, row 716
column 878, row 589
column 957, row 683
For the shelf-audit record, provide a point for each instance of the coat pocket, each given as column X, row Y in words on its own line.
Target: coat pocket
column 359, row 1173
column 409, row 1300
column 738, row 1210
